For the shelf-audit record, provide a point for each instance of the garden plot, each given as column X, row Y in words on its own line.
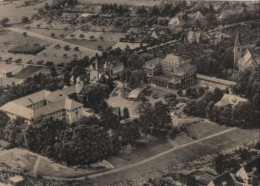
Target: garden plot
column 61, row 54
column 94, row 40
column 8, row 37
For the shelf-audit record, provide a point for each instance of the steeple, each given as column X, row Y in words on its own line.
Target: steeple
column 237, row 49
column 238, row 39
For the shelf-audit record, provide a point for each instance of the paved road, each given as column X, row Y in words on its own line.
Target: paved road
column 53, row 40
column 158, row 162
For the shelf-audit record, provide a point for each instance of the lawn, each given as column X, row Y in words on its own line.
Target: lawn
column 8, row 37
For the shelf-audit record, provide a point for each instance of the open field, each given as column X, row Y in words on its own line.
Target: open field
column 8, row 37
column 15, row 12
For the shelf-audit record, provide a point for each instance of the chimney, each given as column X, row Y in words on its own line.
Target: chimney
column 96, row 65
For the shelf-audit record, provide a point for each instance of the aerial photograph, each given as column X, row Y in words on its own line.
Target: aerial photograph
column 129, row 92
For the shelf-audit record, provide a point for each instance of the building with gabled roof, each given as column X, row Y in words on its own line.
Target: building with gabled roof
column 248, row 61
column 171, row 72
column 46, row 104
column 175, row 22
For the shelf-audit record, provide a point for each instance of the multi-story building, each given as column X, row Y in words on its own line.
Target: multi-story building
column 46, row 104
column 171, row 72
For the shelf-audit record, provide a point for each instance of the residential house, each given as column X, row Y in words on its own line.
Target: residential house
column 194, row 37
column 84, row 17
column 175, row 22
column 171, row 72
column 248, row 61
column 157, row 33
column 109, row 70
column 244, row 60
column 197, row 16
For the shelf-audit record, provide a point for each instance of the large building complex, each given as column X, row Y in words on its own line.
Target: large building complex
column 171, row 72
column 46, row 104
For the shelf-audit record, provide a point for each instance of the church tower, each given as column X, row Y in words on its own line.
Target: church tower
column 237, row 49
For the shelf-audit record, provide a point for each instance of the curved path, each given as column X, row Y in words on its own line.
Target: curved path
column 117, row 174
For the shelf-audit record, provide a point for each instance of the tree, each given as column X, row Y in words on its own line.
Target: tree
column 94, row 94
column 211, row 19
column 126, row 113
column 50, row 129
column 25, row 19
column 5, row 21
column 89, row 143
column 14, row 131
column 218, row 94
column 109, row 119
column 53, row 71
column 3, row 122
column 156, row 118
column 129, row 133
